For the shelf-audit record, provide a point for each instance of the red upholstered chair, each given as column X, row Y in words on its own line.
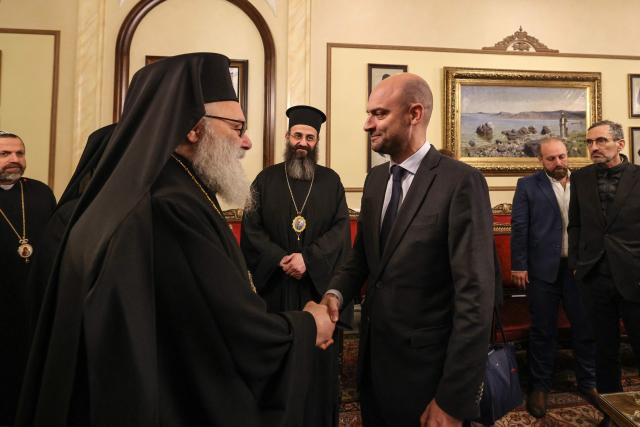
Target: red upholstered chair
column 515, row 309
column 234, row 219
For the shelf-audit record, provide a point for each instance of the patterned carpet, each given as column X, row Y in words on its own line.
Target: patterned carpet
column 565, row 407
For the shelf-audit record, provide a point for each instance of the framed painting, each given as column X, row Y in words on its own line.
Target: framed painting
column 634, row 95
column 634, row 141
column 495, row 119
column 239, row 70
column 376, row 73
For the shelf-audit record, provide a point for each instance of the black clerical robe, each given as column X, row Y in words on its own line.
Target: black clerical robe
column 172, row 333
column 54, row 231
column 267, row 236
column 14, row 298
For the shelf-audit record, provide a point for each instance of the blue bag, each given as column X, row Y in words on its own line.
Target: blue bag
column 501, row 391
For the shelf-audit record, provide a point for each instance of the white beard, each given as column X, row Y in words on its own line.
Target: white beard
column 217, row 162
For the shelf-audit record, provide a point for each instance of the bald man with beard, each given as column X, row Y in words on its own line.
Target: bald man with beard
column 425, row 248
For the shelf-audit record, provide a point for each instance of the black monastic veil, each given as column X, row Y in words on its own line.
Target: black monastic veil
column 103, row 354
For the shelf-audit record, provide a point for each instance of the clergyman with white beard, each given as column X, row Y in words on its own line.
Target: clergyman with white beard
column 149, row 316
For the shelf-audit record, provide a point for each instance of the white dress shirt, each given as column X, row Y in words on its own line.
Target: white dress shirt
column 563, row 195
column 410, row 166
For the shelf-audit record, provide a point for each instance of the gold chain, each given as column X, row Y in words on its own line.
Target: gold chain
column 198, row 184
column 286, row 175
column 24, row 221
column 251, row 285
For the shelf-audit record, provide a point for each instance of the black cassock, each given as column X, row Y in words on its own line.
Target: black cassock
column 14, row 298
column 267, row 236
column 148, row 317
column 172, row 333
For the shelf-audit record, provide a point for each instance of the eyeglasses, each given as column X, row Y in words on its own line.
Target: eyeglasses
column 298, row 136
column 600, row 141
column 240, row 131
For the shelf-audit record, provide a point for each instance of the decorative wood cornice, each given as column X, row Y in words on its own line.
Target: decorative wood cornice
column 502, row 209
column 520, row 41
column 233, row 215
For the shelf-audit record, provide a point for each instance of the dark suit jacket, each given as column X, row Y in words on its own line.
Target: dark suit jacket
column 536, row 228
column 592, row 235
column 427, row 313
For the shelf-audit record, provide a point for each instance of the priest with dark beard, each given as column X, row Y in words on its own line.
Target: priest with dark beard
column 293, row 239
column 149, row 317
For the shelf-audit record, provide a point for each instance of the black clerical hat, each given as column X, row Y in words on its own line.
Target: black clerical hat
column 306, row 115
column 215, row 78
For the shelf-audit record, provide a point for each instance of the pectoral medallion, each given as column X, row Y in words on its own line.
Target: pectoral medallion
column 25, row 250
column 299, row 224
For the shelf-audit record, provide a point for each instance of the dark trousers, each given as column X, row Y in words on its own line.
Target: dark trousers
column 606, row 307
column 544, row 301
column 369, row 408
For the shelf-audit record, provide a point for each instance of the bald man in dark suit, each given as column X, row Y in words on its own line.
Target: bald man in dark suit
column 425, row 248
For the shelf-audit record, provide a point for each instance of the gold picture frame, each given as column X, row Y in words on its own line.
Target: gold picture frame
column 634, row 142
column 494, row 119
column 634, row 95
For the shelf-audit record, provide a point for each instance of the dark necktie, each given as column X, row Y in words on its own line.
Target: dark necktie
column 397, row 173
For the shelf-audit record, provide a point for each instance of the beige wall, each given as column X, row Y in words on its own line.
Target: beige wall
column 213, row 25
column 57, row 15
column 26, row 109
column 571, row 26
column 349, row 92
column 158, row 35
column 89, row 30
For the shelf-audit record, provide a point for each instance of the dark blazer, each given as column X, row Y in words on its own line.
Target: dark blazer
column 426, row 316
column 592, row 234
column 536, row 228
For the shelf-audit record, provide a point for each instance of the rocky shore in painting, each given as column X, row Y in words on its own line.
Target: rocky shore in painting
column 519, row 134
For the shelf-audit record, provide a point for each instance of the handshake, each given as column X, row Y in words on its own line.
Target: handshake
column 326, row 315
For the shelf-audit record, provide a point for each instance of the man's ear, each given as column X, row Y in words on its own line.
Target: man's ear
column 417, row 112
column 195, row 134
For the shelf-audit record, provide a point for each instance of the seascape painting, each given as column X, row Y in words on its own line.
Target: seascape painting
column 494, row 120
column 510, row 121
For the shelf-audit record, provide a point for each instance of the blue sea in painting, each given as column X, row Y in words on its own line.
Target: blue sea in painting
column 518, row 134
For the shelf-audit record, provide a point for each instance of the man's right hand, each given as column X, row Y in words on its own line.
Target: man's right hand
column 520, row 278
column 324, row 325
column 333, row 305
